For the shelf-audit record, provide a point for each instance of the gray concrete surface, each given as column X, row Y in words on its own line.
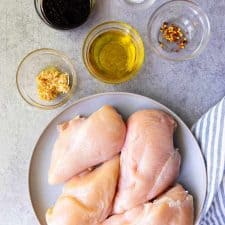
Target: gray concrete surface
column 189, row 88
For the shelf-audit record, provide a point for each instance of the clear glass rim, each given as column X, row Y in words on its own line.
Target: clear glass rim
column 205, row 37
column 137, row 6
column 32, row 102
column 88, row 40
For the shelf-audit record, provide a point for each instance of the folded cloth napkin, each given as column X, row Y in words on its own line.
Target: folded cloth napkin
column 210, row 134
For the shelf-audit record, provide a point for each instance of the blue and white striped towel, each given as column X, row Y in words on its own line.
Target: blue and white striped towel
column 210, row 133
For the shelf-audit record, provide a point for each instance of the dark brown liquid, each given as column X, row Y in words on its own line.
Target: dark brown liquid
column 66, row 14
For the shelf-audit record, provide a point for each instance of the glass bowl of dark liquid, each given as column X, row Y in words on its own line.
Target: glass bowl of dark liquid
column 64, row 14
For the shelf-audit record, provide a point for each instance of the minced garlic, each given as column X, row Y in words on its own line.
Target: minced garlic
column 51, row 82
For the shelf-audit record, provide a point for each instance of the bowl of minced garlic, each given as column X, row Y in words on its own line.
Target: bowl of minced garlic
column 46, row 78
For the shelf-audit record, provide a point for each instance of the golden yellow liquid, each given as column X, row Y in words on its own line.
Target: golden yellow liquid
column 115, row 56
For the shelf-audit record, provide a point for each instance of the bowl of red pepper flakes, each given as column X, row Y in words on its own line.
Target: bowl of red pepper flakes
column 178, row 30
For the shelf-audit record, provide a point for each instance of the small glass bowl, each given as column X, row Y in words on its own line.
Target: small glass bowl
column 136, row 5
column 40, row 11
column 114, row 26
column 31, row 66
column 190, row 18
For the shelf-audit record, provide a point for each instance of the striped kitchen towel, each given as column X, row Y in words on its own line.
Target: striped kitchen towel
column 210, row 133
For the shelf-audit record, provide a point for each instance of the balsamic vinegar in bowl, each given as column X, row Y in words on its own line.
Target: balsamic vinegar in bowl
column 64, row 14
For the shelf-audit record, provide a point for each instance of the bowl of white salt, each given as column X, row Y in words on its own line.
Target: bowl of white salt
column 137, row 4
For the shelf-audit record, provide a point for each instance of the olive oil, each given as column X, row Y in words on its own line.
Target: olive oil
column 115, row 56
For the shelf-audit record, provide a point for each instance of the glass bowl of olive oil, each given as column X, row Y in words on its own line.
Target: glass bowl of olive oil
column 113, row 52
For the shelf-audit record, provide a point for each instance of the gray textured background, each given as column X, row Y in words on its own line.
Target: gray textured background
column 189, row 88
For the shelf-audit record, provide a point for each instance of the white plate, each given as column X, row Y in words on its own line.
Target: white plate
column 193, row 172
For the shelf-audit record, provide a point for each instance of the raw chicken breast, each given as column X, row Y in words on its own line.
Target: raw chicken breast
column 149, row 162
column 175, row 207
column 86, row 199
column 83, row 143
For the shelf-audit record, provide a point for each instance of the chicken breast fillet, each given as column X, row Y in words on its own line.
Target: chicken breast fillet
column 175, row 207
column 86, row 199
column 149, row 162
column 83, row 143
